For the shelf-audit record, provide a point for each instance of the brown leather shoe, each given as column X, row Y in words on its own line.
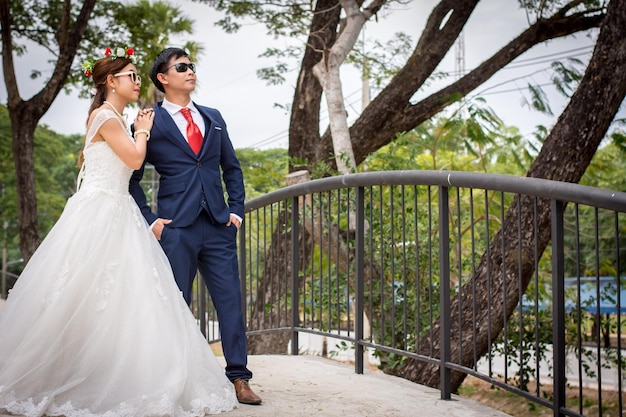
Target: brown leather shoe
column 245, row 395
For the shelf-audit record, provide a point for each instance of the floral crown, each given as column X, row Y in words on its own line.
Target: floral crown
column 128, row 53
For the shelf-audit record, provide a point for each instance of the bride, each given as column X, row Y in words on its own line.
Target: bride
column 95, row 325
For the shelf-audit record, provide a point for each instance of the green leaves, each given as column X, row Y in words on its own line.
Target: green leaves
column 55, row 159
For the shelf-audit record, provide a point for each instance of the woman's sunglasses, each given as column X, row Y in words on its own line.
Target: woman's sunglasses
column 134, row 77
column 182, row 67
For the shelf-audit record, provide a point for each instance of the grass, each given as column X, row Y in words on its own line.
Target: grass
column 516, row 406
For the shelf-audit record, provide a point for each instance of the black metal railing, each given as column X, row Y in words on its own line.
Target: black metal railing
column 512, row 280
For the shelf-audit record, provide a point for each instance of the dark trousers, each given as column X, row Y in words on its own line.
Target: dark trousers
column 212, row 249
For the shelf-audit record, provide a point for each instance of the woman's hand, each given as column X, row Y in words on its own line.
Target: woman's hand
column 144, row 119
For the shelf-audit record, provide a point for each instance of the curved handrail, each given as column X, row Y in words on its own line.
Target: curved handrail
column 559, row 190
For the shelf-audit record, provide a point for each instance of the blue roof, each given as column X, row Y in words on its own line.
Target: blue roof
column 591, row 289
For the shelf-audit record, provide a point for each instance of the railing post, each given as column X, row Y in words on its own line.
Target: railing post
column 297, row 177
column 444, row 310
column 359, row 283
column 242, row 269
column 3, row 290
column 558, row 306
column 295, row 269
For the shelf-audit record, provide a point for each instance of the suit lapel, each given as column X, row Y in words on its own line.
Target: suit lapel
column 209, row 128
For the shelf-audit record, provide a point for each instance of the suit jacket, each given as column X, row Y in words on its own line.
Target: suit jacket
column 184, row 175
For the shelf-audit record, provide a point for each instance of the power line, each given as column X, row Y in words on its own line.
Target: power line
column 529, row 62
column 460, row 58
column 582, row 48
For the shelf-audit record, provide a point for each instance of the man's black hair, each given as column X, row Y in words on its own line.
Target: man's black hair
column 160, row 64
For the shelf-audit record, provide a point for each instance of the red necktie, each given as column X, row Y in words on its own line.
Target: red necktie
column 193, row 131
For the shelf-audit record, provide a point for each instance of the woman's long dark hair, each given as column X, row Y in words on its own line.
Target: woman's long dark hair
column 101, row 70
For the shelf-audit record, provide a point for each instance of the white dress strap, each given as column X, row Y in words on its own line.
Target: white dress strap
column 81, row 175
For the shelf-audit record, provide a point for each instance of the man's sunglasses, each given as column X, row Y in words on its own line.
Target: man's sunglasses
column 134, row 77
column 182, row 67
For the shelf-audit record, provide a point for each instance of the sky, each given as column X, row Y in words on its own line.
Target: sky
column 227, row 68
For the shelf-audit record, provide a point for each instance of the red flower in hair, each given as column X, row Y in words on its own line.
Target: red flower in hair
column 125, row 52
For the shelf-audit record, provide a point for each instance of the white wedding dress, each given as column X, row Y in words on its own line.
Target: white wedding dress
column 95, row 325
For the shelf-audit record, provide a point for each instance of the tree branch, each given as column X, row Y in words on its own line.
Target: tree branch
column 379, row 123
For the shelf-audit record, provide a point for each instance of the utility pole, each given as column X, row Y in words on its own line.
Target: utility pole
column 459, row 67
column 365, row 77
column 459, row 52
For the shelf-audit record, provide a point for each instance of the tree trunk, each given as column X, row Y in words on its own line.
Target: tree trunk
column 327, row 71
column 565, row 156
column 304, row 136
column 23, row 125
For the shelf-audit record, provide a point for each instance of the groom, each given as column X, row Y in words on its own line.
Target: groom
column 189, row 147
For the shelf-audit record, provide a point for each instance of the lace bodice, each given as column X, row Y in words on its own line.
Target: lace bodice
column 103, row 170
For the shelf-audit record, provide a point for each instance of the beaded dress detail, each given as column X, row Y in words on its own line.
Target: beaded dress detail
column 95, row 325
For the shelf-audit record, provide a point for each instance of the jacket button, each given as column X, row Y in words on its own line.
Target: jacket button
column 199, row 164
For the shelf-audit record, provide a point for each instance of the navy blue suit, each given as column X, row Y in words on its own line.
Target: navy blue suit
column 192, row 196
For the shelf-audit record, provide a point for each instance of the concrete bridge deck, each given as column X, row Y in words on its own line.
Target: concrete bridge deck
column 315, row 386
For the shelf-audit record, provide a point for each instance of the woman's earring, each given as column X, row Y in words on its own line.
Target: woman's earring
column 113, row 91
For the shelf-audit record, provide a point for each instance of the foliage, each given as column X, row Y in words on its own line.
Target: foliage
column 540, row 9
column 143, row 25
column 524, row 342
column 55, row 173
column 325, row 301
column 405, row 283
column 8, row 202
column 291, row 19
column 316, row 170
column 264, row 170
column 383, row 59
column 37, row 20
column 473, row 138
column 287, row 18
column 603, row 172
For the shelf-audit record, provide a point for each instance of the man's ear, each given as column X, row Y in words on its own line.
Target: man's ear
column 162, row 78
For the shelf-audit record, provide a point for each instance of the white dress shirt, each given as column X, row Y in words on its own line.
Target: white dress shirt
column 179, row 119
